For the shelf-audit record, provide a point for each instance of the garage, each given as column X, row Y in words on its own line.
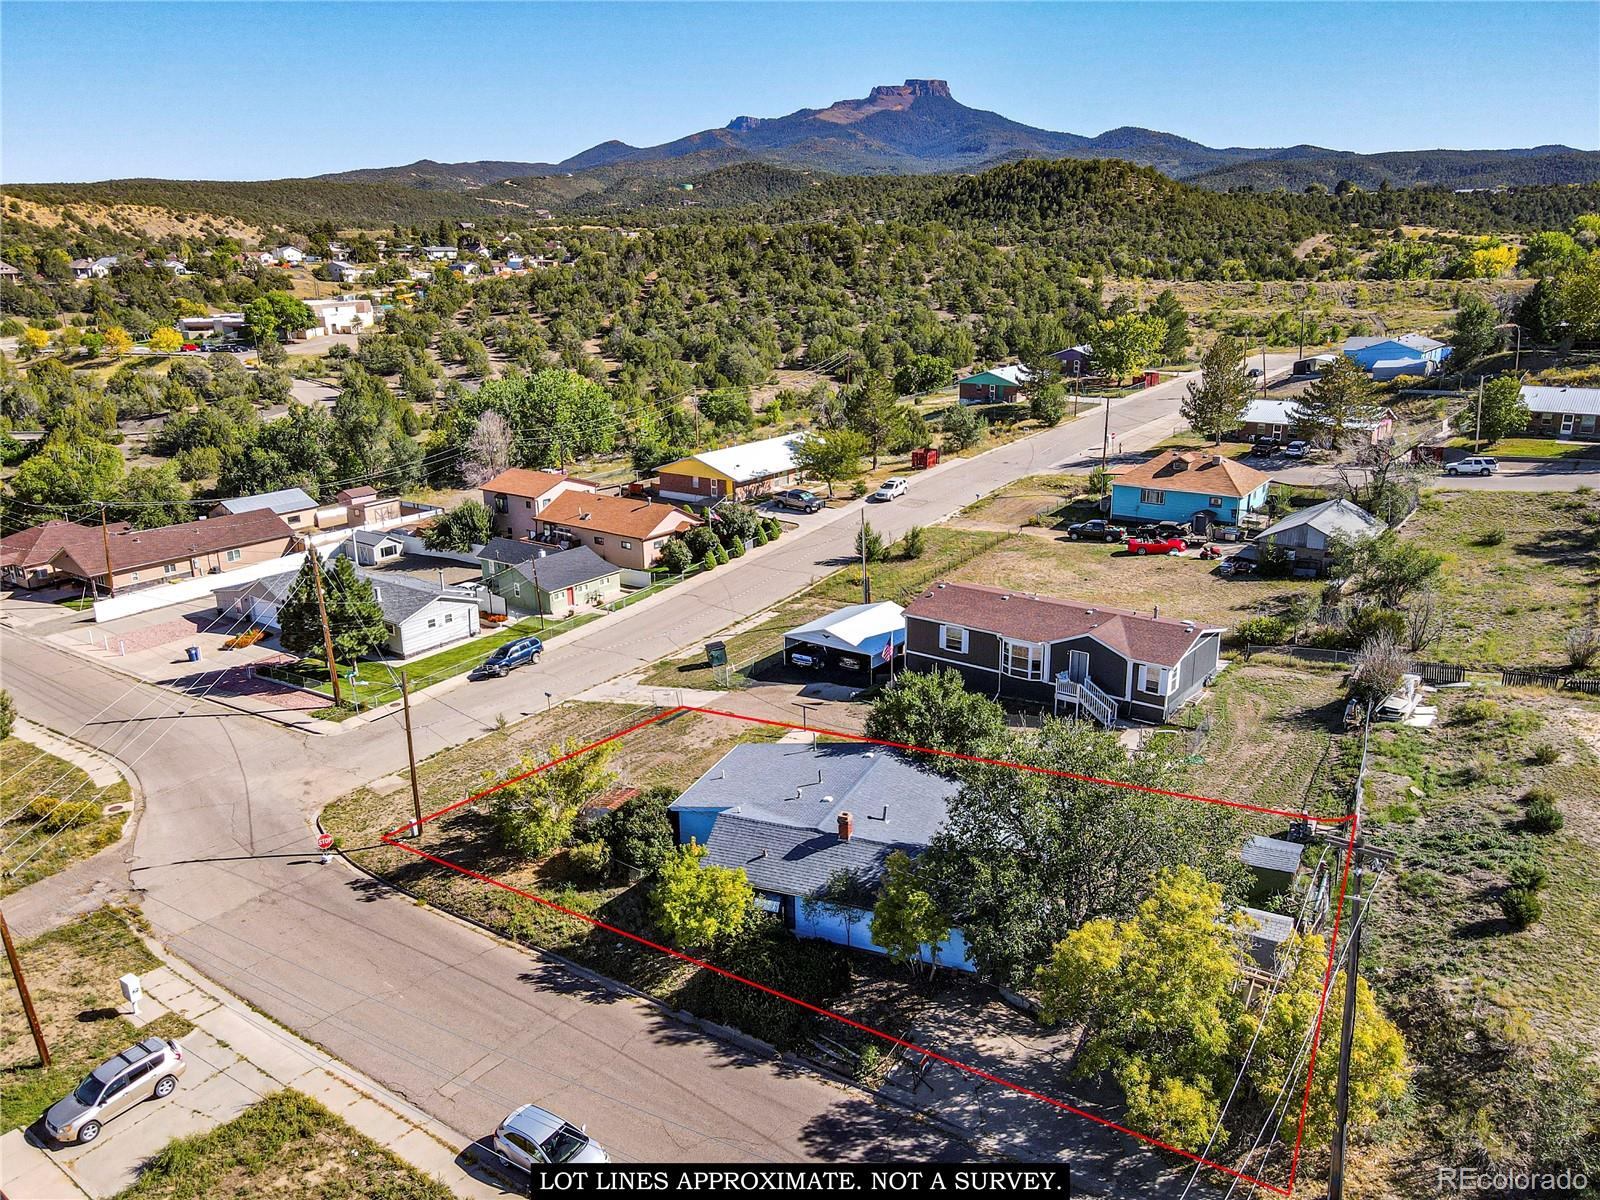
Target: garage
column 859, row 642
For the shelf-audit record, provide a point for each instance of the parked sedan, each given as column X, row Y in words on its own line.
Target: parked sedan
column 893, row 488
column 1097, row 530
column 508, row 658
column 1171, row 545
column 147, row 1071
column 799, row 500
column 533, row 1137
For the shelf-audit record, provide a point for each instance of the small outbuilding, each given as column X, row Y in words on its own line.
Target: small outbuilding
column 862, row 639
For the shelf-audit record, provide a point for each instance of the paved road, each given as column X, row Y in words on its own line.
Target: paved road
column 457, row 1023
column 1512, row 477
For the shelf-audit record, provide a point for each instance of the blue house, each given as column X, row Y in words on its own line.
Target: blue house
column 1185, row 486
column 1390, row 357
column 797, row 819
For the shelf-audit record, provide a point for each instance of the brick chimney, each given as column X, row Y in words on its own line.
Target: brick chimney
column 847, row 826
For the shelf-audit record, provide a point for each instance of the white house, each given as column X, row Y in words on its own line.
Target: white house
column 440, row 253
column 346, row 272
column 419, row 616
column 288, row 255
column 345, row 314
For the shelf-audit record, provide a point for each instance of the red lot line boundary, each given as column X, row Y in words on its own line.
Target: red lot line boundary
column 395, row 837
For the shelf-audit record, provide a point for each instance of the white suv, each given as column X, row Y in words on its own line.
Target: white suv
column 1478, row 465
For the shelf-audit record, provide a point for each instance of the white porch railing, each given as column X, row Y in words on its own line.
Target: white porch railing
column 1087, row 697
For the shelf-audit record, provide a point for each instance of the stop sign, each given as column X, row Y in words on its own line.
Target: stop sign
column 325, row 842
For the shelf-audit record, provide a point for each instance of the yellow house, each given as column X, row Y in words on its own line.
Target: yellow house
column 740, row 472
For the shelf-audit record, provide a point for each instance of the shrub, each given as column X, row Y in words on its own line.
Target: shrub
column 1521, row 907
column 55, row 814
column 1546, row 753
column 1473, row 712
column 1583, row 647
column 774, row 529
column 676, row 556
column 914, row 542
column 761, row 535
column 8, row 714
column 1491, row 537
column 1544, row 816
column 592, row 858
column 639, row 832
column 1529, row 876
column 1372, row 621
column 1263, row 631
column 736, row 550
column 710, row 560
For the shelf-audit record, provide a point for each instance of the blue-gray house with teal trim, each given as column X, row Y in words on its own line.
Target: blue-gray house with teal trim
column 799, row 819
column 1189, row 486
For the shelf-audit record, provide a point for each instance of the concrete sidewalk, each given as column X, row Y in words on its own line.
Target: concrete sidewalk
column 235, row 1058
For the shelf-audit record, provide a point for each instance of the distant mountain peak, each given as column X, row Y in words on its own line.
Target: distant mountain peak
column 743, row 124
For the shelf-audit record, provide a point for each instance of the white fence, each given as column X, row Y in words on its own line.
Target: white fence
column 109, row 608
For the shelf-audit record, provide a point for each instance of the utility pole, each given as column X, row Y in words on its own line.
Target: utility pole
column 1477, row 422
column 105, row 542
column 866, row 584
column 322, row 615
column 1105, row 437
column 1347, row 1033
column 411, row 752
column 22, row 990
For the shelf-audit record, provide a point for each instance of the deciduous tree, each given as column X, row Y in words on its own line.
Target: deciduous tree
column 906, row 918
column 697, row 904
column 535, row 815
column 832, row 455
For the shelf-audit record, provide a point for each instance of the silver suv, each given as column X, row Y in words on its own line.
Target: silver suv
column 1477, row 465
column 140, row 1072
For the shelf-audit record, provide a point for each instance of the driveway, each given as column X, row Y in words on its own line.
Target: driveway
column 463, row 1026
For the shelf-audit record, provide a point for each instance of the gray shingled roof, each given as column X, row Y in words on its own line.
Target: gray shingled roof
column 399, row 596
column 795, row 862
column 509, row 551
column 784, row 799
column 567, row 568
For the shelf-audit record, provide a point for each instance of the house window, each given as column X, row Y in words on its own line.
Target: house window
column 1023, row 660
column 598, row 540
column 1154, row 680
column 627, row 545
column 527, row 504
column 1152, row 496
column 953, row 638
column 432, row 622
column 500, row 504
column 233, row 555
column 694, row 482
column 169, row 568
column 1215, row 501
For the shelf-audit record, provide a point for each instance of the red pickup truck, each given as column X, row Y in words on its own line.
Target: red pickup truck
column 1173, row 545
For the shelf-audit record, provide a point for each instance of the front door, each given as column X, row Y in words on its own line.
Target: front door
column 1566, row 424
column 571, row 598
column 1077, row 665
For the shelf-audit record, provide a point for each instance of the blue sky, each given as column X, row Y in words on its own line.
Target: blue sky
column 249, row 91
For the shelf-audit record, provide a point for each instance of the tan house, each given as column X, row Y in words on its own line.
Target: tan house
column 294, row 505
column 28, row 557
column 515, row 498
column 142, row 557
column 626, row 532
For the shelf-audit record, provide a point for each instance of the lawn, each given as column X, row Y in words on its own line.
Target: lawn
column 1530, row 447
column 72, row 974
column 896, row 579
column 375, row 683
column 54, row 814
column 1520, row 572
column 1268, row 733
column 286, row 1147
column 672, row 754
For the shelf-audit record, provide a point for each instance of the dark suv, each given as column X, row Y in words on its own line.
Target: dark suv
column 799, row 500
column 507, row 658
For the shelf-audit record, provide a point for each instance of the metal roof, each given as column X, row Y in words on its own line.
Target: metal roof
column 1272, row 854
column 1583, row 401
column 751, row 461
column 1330, row 517
column 282, row 501
column 860, row 628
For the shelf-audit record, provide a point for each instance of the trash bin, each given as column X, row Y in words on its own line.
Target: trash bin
column 194, row 653
column 717, row 654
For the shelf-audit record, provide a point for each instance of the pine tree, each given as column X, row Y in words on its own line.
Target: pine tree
column 1340, row 400
column 1217, row 400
